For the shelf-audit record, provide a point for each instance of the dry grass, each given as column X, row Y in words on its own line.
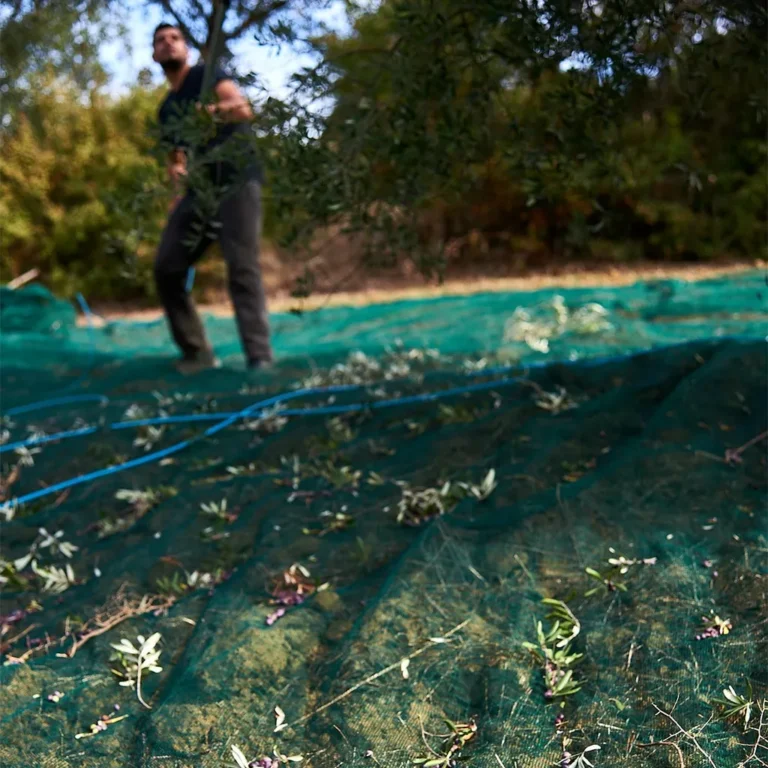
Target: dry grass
column 387, row 290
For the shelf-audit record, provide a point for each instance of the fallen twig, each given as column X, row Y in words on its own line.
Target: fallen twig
column 27, row 277
column 672, row 744
column 733, row 456
column 8, row 481
column 375, row 676
column 118, row 610
column 11, row 640
column 689, row 734
column 760, row 741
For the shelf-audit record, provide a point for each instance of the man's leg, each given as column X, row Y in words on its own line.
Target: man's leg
column 173, row 260
column 240, row 218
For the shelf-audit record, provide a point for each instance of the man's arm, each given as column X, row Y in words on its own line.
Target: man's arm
column 231, row 104
column 177, row 169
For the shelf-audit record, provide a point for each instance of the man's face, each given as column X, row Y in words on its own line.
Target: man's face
column 169, row 49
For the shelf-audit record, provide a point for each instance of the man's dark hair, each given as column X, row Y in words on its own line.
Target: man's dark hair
column 166, row 25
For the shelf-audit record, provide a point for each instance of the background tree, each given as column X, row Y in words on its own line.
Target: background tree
column 268, row 21
column 41, row 40
column 81, row 192
column 468, row 110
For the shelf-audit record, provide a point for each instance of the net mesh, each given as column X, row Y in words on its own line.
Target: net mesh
column 347, row 559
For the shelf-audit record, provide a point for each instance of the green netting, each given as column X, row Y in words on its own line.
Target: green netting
column 598, row 456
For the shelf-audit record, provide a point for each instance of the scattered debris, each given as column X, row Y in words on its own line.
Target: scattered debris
column 56, row 580
column 263, row 762
column 578, row 761
column 360, row 369
column 461, row 734
column 174, row 585
column 119, row 608
column 100, row 725
column 291, row 588
column 546, row 322
column 140, row 503
column 332, row 522
column 553, row 650
column 148, row 437
column 219, row 511
column 417, row 507
column 279, row 720
column 135, row 660
column 617, row 566
column 26, row 456
column 268, row 422
column 714, row 626
column 733, row 456
column 735, row 704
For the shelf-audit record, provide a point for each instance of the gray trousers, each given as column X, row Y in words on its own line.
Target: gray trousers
column 237, row 227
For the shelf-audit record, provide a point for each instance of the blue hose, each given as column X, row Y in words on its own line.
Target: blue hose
column 161, row 454
column 236, row 415
column 69, row 400
column 33, row 441
column 250, row 410
column 196, row 418
column 74, row 398
column 226, row 420
column 591, row 361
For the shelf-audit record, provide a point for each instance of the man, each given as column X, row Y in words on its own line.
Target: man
column 224, row 205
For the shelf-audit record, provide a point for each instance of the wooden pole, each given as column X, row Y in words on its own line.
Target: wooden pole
column 23, row 279
column 212, row 55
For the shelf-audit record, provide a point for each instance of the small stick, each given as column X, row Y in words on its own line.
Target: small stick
column 424, row 738
column 375, row 676
column 27, row 277
column 7, row 482
column 525, row 570
column 126, row 611
column 687, row 733
column 757, row 745
column 672, row 744
column 11, row 640
column 24, row 656
column 735, row 454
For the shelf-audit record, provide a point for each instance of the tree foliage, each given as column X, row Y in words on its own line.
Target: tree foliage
column 41, row 40
column 266, row 20
column 81, row 192
column 654, row 135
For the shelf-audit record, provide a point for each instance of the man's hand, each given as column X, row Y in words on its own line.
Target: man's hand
column 176, row 173
column 231, row 104
column 177, row 170
column 211, row 109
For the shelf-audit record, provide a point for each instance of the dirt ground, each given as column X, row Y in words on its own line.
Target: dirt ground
column 388, row 289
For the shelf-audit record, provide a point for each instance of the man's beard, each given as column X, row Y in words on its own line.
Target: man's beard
column 172, row 65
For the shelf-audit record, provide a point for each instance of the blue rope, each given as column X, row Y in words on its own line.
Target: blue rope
column 190, row 279
column 197, row 417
